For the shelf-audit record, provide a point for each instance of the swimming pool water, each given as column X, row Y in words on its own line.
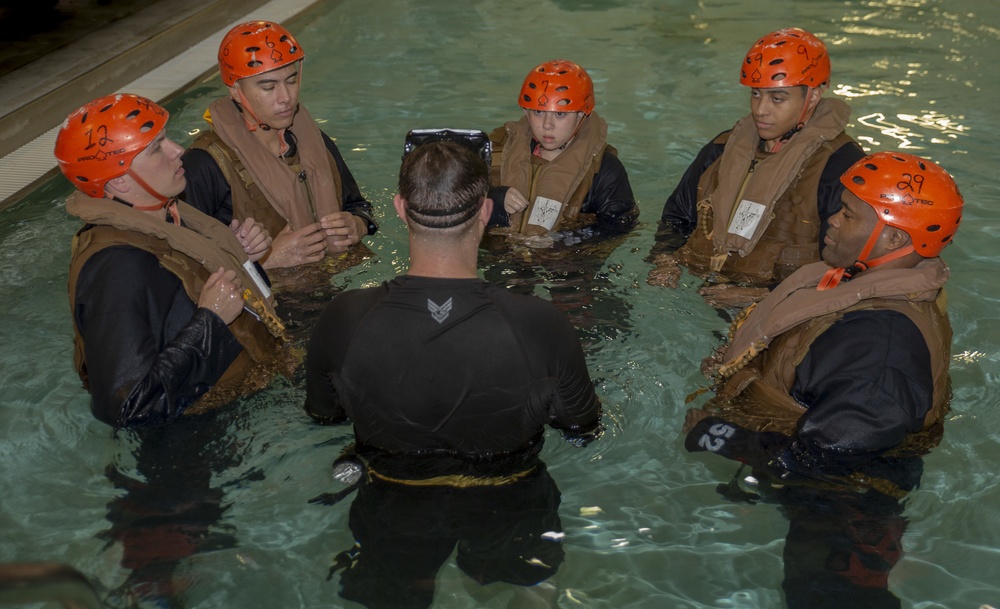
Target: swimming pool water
column 644, row 526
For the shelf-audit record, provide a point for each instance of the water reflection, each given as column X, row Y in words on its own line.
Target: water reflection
column 842, row 541
column 570, row 274
column 404, row 534
column 169, row 509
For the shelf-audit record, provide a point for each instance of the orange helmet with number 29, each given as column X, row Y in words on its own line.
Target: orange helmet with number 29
column 910, row 193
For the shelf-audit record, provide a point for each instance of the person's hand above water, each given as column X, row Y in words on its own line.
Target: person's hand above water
column 514, row 201
column 252, row 236
column 343, row 229
column 221, row 295
column 292, row 248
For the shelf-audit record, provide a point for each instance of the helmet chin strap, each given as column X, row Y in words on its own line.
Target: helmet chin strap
column 798, row 125
column 575, row 131
column 834, row 276
column 163, row 201
column 245, row 108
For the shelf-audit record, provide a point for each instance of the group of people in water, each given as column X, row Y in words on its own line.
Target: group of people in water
column 836, row 367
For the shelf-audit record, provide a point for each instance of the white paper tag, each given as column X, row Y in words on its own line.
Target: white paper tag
column 261, row 284
column 545, row 212
column 746, row 218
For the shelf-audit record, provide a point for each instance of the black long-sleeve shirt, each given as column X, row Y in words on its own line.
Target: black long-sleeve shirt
column 151, row 352
column 451, row 366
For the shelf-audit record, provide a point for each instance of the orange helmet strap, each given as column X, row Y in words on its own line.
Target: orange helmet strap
column 835, row 275
column 798, row 125
column 145, row 186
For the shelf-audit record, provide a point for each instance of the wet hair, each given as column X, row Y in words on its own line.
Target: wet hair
column 443, row 183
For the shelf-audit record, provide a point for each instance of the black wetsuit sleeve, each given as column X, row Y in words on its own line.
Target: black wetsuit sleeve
column 680, row 211
column 574, row 407
column 499, row 217
column 866, row 383
column 830, row 188
column 323, row 359
column 329, row 344
column 207, row 188
column 611, row 197
column 150, row 351
column 352, row 200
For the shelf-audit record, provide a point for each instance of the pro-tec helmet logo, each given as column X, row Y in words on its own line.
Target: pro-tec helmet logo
column 439, row 312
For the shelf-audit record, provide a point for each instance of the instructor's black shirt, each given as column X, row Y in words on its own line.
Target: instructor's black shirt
column 448, row 366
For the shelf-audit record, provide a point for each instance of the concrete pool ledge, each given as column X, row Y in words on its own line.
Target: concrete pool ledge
column 154, row 52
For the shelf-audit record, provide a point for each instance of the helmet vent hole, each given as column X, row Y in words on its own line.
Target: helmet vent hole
column 871, row 166
column 775, row 62
column 132, row 114
column 106, row 108
column 253, row 49
column 254, row 64
column 933, row 228
column 146, row 126
column 532, row 85
column 563, row 102
column 83, row 119
column 858, row 180
column 526, row 98
column 562, row 88
column 82, row 179
column 922, row 166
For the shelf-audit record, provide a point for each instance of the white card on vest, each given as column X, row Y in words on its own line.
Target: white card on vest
column 261, row 284
column 748, row 215
column 545, row 212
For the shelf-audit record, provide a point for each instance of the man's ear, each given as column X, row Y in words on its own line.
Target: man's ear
column 815, row 94
column 486, row 211
column 400, row 204
column 119, row 185
column 895, row 238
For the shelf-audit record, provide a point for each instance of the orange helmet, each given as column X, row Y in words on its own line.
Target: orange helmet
column 910, row 193
column 99, row 141
column 558, row 86
column 256, row 47
column 786, row 58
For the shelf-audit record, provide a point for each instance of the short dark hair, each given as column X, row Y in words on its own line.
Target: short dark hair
column 443, row 183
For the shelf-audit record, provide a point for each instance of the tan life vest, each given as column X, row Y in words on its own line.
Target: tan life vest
column 768, row 201
column 269, row 189
column 191, row 252
column 556, row 189
column 774, row 338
